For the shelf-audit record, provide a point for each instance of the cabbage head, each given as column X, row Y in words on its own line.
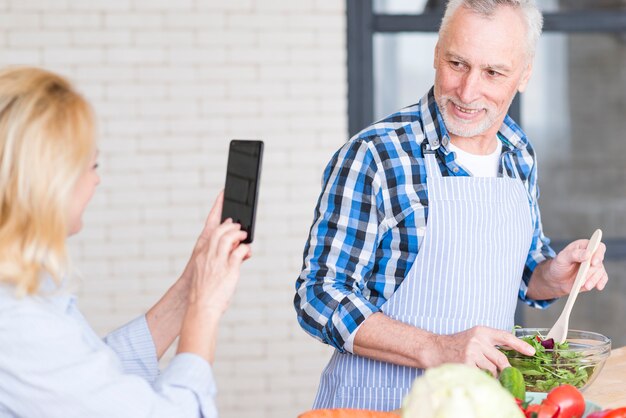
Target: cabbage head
column 458, row 391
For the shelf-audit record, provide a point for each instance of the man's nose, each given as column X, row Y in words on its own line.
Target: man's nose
column 469, row 90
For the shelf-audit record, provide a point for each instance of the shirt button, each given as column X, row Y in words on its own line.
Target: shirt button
column 455, row 170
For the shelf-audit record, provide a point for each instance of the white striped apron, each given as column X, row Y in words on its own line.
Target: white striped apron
column 467, row 272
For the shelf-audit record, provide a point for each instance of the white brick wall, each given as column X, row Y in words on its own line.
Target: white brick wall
column 172, row 82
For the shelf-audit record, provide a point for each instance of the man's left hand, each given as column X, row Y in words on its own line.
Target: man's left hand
column 555, row 278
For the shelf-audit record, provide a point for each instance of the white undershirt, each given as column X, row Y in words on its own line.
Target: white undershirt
column 479, row 165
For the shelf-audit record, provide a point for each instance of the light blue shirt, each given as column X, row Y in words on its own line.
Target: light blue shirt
column 52, row 364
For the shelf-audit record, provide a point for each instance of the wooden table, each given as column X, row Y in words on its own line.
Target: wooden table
column 609, row 388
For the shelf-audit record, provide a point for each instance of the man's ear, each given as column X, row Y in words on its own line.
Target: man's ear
column 525, row 76
column 436, row 58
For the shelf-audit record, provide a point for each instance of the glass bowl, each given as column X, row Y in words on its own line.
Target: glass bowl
column 578, row 364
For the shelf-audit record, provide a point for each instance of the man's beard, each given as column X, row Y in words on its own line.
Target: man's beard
column 460, row 127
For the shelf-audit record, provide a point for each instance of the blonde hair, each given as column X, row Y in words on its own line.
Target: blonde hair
column 47, row 139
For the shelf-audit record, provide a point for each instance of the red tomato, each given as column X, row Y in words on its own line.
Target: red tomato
column 519, row 403
column 530, row 409
column 616, row 413
column 569, row 400
column 542, row 410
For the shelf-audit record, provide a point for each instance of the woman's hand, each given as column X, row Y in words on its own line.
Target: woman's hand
column 165, row 318
column 211, row 223
column 212, row 275
column 213, row 269
column 216, row 267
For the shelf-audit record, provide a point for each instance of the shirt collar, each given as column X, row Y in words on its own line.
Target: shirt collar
column 436, row 133
column 511, row 134
column 56, row 294
column 433, row 127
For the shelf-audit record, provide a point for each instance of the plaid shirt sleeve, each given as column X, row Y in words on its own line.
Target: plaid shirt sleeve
column 540, row 249
column 339, row 255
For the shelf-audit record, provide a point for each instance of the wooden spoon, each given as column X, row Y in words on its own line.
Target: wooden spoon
column 559, row 329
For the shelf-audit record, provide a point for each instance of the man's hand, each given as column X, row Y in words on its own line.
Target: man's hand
column 477, row 347
column 555, row 278
column 385, row 339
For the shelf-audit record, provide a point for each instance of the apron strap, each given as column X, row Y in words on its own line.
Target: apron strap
column 516, row 175
column 508, row 167
column 432, row 167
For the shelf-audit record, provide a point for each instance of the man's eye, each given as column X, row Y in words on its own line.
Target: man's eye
column 458, row 65
column 492, row 73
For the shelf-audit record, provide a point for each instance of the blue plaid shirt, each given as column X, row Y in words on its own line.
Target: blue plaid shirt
column 371, row 218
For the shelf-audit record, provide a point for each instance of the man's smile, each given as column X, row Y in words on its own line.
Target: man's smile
column 466, row 110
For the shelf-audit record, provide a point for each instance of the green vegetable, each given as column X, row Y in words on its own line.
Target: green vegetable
column 549, row 368
column 458, row 390
column 513, row 381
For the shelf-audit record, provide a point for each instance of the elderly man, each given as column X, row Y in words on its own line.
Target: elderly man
column 428, row 228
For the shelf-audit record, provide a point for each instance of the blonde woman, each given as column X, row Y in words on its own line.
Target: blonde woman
column 52, row 364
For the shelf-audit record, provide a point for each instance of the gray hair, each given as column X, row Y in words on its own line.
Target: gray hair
column 487, row 8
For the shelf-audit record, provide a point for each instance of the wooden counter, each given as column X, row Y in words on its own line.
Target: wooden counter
column 609, row 388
